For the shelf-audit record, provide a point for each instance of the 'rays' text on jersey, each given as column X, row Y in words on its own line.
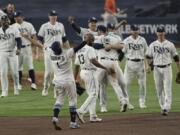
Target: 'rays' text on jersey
column 135, row 46
column 23, row 30
column 53, row 32
column 161, row 50
column 6, row 36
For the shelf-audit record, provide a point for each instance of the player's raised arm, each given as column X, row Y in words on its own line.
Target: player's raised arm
column 71, row 20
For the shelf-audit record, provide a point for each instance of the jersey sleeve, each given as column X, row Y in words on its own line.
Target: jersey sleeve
column 70, row 53
column 173, row 50
column 63, row 31
column 145, row 46
column 149, row 51
column 17, row 33
column 32, row 29
column 91, row 53
column 76, row 62
column 124, row 50
column 83, row 32
column 41, row 31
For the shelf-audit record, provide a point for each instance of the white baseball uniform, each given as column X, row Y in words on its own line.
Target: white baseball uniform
column 64, row 78
column 110, row 60
column 8, row 57
column 50, row 33
column 85, row 31
column 135, row 50
column 88, row 74
column 26, row 51
column 162, row 54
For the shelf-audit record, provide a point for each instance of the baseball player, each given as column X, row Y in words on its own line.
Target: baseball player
column 50, row 32
column 108, row 56
column 86, row 59
column 26, row 51
column 92, row 22
column 162, row 51
column 9, row 40
column 135, row 47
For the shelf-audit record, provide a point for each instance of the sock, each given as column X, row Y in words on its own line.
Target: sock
column 56, row 110
column 20, row 76
column 72, row 111
column 32, row 75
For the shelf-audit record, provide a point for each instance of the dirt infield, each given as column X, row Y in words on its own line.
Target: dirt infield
column 139, row 124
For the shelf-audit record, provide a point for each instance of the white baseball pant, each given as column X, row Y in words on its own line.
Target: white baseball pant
column 136, row 69
column 163, row 83
column 9, row 58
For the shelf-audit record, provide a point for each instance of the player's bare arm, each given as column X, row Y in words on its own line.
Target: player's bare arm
column 32, row 40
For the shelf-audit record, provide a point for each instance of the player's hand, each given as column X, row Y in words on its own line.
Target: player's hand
column 71, row 19
column 18, row 51
column 111, row 72
column 148, row 69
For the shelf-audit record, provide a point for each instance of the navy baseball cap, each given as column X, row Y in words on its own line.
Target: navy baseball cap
column 160, row 29
column 17, row 13
column 134, row 28
column 53, row 13
column 92, row 19
column 56, row 48
column 101, row 28
column 111, row 26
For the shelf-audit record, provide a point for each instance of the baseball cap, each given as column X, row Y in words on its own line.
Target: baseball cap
column 53, row 13
column 17, row 13
column 101, row 28
column 160, row 29
column 111, row 26
column 134, row 28
column 92, row 19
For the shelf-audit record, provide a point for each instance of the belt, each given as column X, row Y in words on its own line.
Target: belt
column 106, row 58
column 135, row 60
column 23, row 46
column 162, row 66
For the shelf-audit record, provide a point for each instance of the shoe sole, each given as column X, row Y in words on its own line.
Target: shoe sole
column 124, row 108
column 96, row 121
column 56, row 127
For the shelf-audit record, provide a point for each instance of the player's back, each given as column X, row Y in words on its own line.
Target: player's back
column 83, row 57
column 62, row 66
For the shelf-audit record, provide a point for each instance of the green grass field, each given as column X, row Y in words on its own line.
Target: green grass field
column 31, row 103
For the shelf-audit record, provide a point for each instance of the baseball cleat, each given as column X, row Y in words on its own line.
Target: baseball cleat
column 130, row 106
column 103, row 109
column 16, row 92
column 73, row 125
column 19, row 87
column 33, row 86
column 29, row 79
column 80, row 117
column 164, row 112
column 44, row 92
column 124, row 108
column 55, row 122
column 142, row 106
column 95, row 119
